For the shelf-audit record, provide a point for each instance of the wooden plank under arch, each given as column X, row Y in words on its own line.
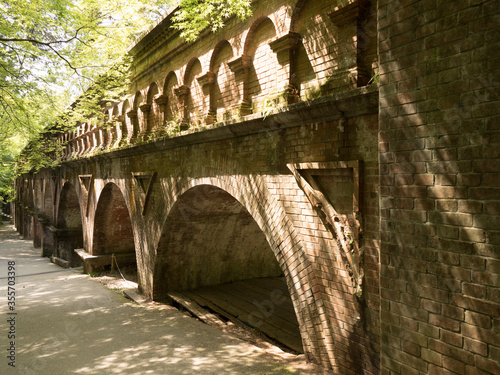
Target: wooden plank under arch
column 262, row 304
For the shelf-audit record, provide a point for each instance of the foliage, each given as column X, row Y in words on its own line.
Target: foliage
column 108, row 88
column 194, row 16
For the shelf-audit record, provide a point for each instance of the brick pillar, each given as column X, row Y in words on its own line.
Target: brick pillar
column 289, row 44
column 207, row 82
column 47, row 242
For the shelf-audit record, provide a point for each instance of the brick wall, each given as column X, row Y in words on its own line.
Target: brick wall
column 421, row 176
column 342, row 329
column 440, row 195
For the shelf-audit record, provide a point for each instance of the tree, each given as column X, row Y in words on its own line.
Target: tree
column 194, row 16
column 51, row 52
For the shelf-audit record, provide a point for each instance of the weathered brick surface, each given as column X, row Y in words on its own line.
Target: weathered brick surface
column 428, row 166
column 438, row 101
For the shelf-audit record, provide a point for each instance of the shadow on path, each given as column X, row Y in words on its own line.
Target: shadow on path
column 67, row 323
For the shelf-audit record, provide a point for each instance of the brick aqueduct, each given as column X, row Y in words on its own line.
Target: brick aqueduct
column 264, row 150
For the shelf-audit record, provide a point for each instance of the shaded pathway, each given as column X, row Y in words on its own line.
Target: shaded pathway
column 67, row 323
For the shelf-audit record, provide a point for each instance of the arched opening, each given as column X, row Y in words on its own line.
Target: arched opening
column 113, row 233
column 224, row 92
column 172, row 107
column 213, row 252
column 137, row 117
column 68, row 233
column 265, row 74
column 128, row 122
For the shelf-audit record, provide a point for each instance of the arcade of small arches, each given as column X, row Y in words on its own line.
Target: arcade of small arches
column 272, row 63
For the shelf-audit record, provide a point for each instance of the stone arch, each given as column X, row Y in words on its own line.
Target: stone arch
column 113, row 233
column 137, row 116
column 171, row 108
column 223, row 91
column 69, row 211
column 69, row 228
column 252, row 31
column 211, row 239
column 297, row 10
column 264, row 69
column 207, row 217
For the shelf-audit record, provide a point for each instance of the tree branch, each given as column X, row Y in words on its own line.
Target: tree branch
column 39, row 42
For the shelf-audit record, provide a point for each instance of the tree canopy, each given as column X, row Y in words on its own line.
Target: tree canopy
column 194, row 16
column 51, row 52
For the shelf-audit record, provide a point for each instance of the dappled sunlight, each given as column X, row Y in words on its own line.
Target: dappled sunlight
column 73, row 324
column 261, row 224
column 440, row 212
column 25, row 253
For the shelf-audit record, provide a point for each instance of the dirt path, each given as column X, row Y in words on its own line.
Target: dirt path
column 66, row 323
